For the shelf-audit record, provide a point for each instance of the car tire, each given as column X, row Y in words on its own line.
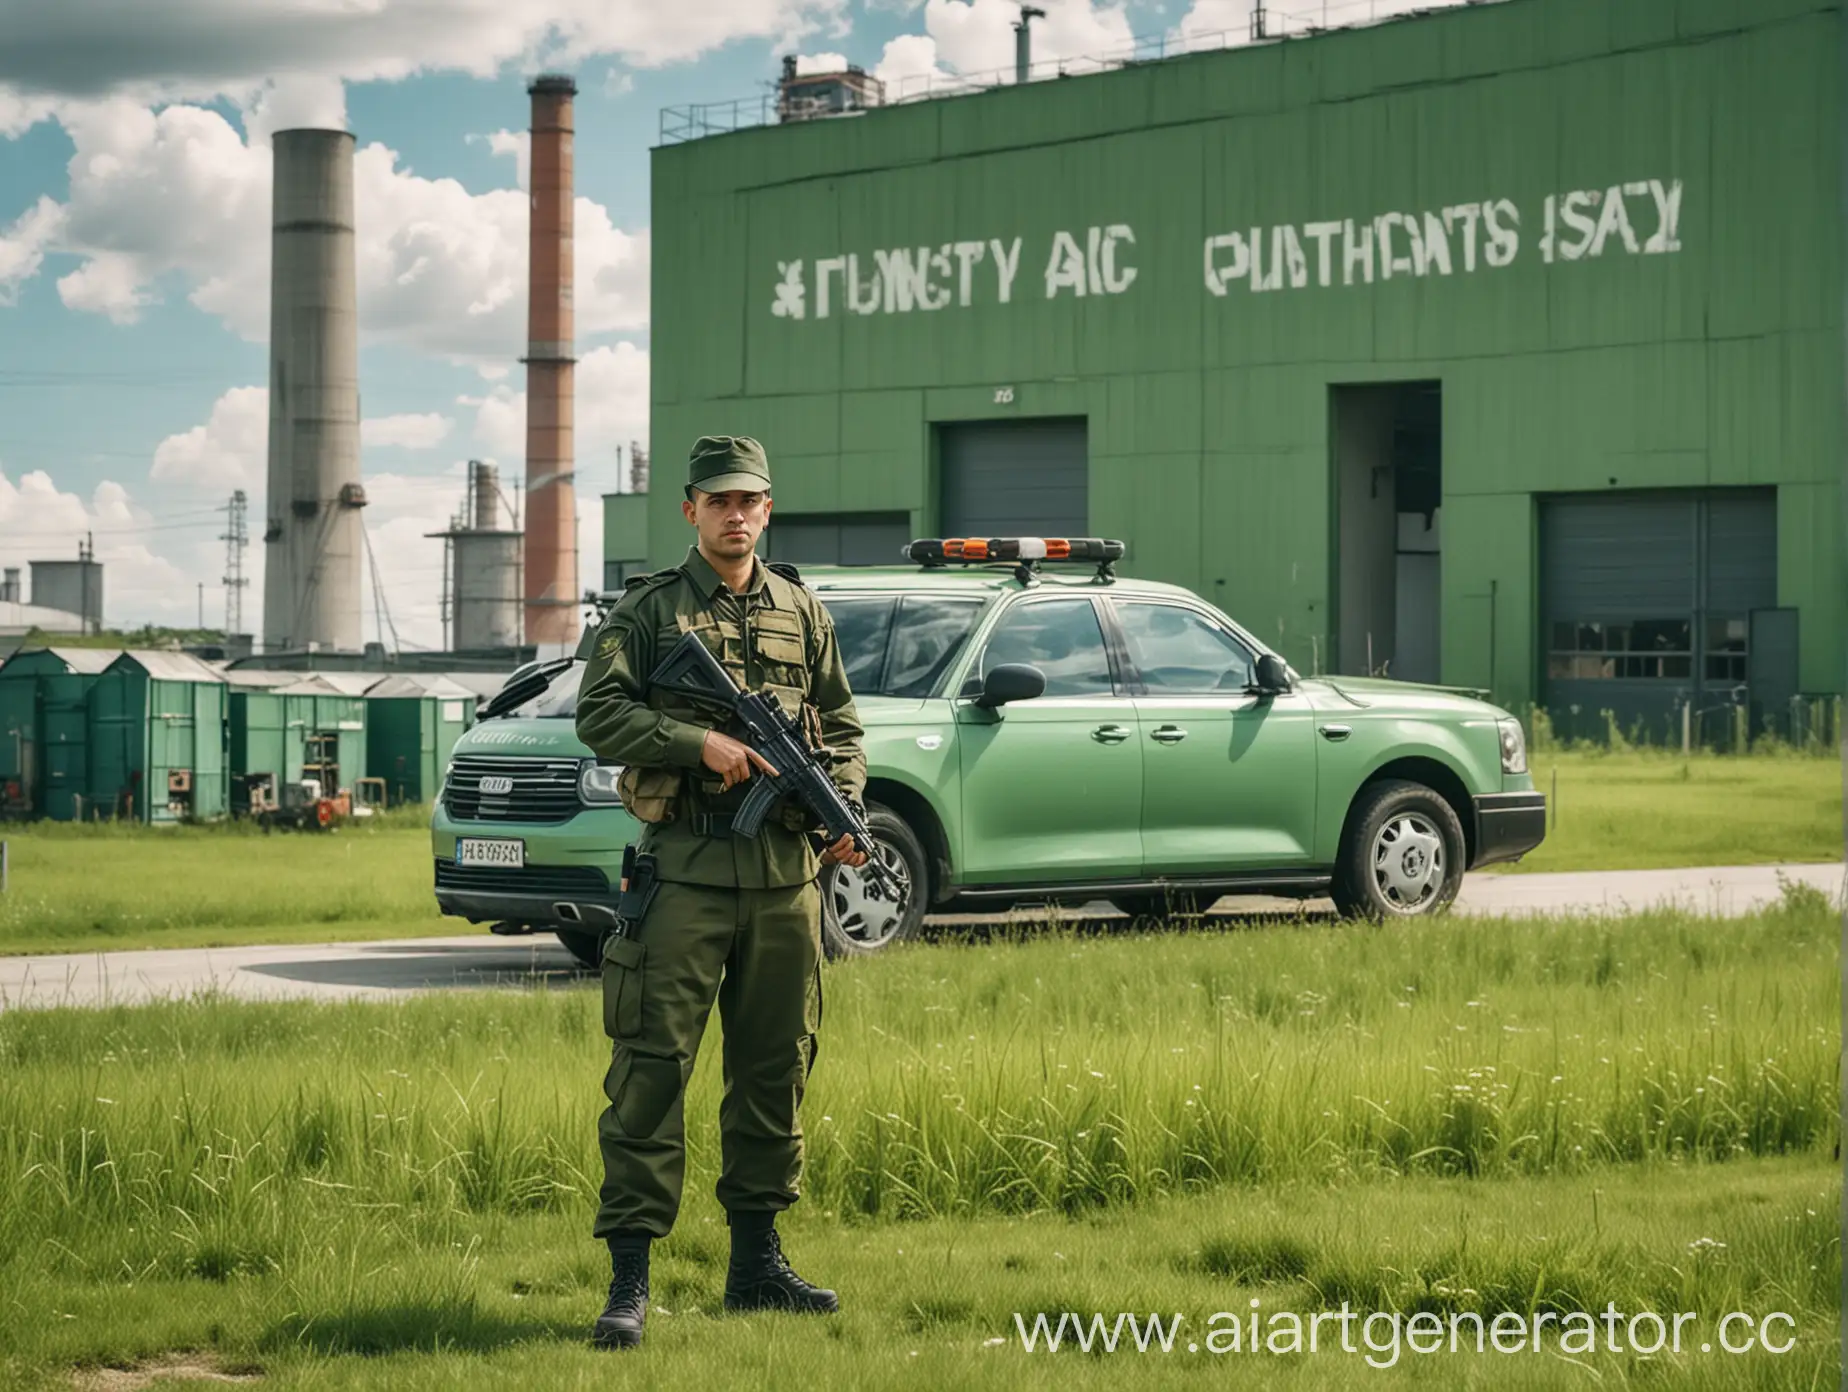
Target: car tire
column 1402, row 853
column 854, row 924
column 586, row 947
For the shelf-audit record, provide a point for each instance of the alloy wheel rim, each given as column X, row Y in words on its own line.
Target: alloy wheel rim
column 861, row 909
column 1408, row 862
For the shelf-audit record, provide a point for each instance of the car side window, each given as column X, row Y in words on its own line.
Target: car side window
column 1180, row 652
column 1062, row 638
column 929, row 634
column 861, row 630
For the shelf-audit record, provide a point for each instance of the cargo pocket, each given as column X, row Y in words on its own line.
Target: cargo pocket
column 645, row 1095
column 622, row 987
column 811, row 1019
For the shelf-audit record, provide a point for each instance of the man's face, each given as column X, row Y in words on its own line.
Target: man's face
column 728, row 523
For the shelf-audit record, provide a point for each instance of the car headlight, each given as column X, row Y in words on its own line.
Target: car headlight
column 1513, row 746
column 597, row 784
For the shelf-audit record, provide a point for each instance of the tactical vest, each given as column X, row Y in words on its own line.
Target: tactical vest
column 764, row 647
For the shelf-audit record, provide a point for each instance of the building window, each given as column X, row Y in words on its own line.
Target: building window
column 1728, row 647
column 1623, row 650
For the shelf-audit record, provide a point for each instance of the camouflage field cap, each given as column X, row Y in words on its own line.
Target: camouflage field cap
column 727, row 463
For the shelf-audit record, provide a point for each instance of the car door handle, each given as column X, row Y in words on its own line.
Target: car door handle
column 1336, row 733
column 1168, row 734
column 1110, row 734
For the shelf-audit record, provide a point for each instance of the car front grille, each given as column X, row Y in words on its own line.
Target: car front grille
column 544, row 790
column 546, row 881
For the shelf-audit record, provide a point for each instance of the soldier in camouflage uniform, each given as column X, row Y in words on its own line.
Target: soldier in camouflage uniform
column 735, row 919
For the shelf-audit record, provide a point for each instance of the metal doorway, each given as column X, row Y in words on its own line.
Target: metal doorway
column 1014, row 478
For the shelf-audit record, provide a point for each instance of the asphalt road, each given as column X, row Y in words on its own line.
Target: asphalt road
column 384, row 970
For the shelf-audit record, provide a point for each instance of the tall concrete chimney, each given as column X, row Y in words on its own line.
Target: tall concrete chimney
column 313, row 537
column 551, row 493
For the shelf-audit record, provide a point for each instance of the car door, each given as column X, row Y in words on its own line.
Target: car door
column 1228, row 777
column 1051, row 787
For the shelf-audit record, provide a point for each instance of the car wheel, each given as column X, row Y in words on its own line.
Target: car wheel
column 586, row 947
column 856, row 916
column 1401, row 855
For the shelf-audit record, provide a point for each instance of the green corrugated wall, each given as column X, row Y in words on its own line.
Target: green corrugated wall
column 143, row 728
column 259, row 739
column 1716, row 363
column 409, row 740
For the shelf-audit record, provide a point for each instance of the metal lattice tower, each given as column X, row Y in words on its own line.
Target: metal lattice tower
column 236, row 537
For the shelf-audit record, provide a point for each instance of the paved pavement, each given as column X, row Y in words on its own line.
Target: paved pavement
column 385, row 970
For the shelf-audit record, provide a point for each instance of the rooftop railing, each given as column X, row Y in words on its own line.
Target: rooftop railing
column 1304, row 18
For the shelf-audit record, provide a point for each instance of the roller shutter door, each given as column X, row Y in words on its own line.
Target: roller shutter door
column 1014, row 478
column 1646, row 602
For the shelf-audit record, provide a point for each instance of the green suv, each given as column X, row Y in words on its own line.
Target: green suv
column 1036, row 735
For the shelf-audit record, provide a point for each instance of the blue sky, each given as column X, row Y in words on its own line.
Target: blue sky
column 134, row 240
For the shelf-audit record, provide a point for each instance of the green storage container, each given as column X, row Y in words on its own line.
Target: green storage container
column 257, row 729
column 412, row 725
column 157, row 739
column 44, row 695
column 324, row 718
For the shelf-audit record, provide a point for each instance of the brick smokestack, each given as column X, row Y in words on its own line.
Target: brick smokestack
column 551, row 493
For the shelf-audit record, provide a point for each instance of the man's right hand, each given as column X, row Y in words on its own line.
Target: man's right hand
column 731, row 759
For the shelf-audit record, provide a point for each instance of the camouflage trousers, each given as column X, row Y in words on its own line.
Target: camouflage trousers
column 757, row 953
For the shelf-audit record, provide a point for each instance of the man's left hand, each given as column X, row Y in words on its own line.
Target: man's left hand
column 842, row 852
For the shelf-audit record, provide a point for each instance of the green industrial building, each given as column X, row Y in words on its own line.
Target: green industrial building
column 1500, row 346
column 156, row 735
column 412, row 724
column 44, row 731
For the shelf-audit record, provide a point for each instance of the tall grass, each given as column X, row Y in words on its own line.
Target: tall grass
column 1062, row 1074
column 1535, row 1116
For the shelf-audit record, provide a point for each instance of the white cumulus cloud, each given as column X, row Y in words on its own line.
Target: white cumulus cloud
column 611, row 405
column 40, row 521
column 22, row 245
column 807, row 63
column 516, row 144
column 975, row 38
column 194, row 49
column 423, row 431
column 181, row 192
column 229, row 451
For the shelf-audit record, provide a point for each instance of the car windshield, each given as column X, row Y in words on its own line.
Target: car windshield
column 900, row 645
column 557, row 701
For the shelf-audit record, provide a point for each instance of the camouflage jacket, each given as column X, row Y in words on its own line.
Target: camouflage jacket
column 776, row 636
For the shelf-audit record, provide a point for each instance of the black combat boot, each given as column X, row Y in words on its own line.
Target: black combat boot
column 760, row 1278
column 620, row 1324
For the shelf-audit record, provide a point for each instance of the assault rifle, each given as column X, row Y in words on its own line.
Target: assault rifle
column 691, row 670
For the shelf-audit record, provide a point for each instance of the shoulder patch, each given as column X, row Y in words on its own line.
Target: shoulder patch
column 784, row 569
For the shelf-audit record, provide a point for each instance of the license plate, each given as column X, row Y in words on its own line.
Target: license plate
column 475, row 850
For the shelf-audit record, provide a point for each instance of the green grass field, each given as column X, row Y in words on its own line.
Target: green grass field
column 1440, row 1117
column 93, row 888
column 1648, row 810
column 85, row 888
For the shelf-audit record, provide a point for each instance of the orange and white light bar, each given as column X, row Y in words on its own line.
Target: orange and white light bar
column 943, row 550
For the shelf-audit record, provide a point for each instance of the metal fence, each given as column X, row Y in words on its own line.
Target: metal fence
column 1804, row 724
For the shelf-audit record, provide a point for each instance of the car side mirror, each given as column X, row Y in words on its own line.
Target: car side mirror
column 1271, row 678
column 1011, row 681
